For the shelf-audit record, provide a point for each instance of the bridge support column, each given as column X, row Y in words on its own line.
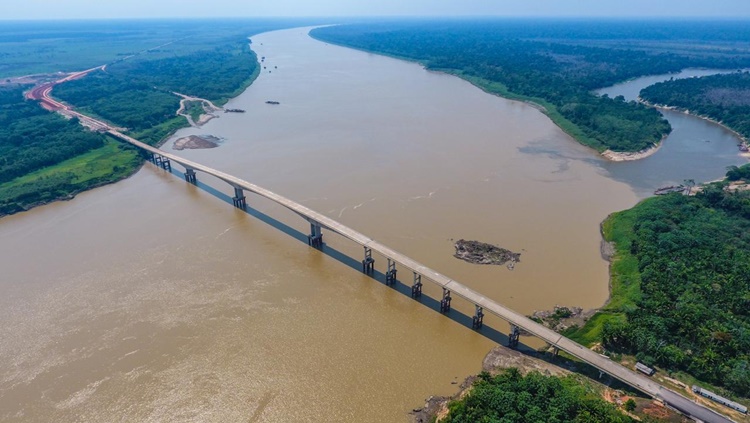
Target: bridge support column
column 478, row 320
column 190, row 176
column 165, row 164
column 368, row 264
column 239, row 199
column 416, row 288
column 555, row 351
column 149, row 156
column 513, row 336
column 157, row 160
column 445, row 303
column 315, row 239
column 390, row 275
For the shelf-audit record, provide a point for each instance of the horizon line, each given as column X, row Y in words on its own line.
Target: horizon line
column 387, row 17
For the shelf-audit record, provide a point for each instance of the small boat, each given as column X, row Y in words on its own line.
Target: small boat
column 272, row 102
column 234, row 111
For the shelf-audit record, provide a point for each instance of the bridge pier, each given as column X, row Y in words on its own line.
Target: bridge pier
column 157, row 160
column 416, row 288
column 239, row 198
column 148, row 155
column 166, row 164
column 555, row 351
column 445, row 303
column 478, row 319
column 390, row 275
column 513, row 336
column 368, row 264
column 190, row 176
column 315, row 239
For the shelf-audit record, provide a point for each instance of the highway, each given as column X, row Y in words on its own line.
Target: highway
column 584, row 354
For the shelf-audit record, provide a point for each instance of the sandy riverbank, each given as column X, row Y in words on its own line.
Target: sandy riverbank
column 617, row 156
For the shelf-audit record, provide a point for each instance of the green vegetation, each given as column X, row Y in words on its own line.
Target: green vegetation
column 723, row 98
column 511, row 397
column 118, row 99
column 45, row 47
column 32, row 138
column 43, row 157
column 554, row 64
column 111, row 162
column 681, row 285
column 735, row 173
column 194, row 109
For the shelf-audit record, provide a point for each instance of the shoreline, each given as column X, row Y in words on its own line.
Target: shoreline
column 241, row 89
column 617, row 156
column 606, row 154
column 687, row 112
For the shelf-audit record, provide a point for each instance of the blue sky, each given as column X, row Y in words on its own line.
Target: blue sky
column 76, row 9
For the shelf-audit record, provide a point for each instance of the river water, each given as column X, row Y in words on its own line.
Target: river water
column 154, row 300
column 696, row 149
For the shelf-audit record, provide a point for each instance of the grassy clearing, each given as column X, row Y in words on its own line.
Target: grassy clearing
column 625, row 280
column 107, row 164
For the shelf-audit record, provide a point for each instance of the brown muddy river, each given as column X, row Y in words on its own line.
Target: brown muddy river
column 153, row 300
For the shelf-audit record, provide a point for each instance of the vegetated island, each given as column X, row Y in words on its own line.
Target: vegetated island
column 723, row 98
column 482, row 253
column 45, row 158
column 196, row 142
column 556, row 65
column 680, row 287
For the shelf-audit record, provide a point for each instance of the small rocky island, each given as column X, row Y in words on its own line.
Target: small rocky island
column 482, row 253
column 195, row 142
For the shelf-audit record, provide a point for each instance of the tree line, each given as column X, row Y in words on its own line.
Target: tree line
column 724, row 98
column 511, row 397
column 555, row 63
column 32, row 138
column 692, row 309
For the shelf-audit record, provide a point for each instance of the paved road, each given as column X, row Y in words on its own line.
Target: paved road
column 602, row 363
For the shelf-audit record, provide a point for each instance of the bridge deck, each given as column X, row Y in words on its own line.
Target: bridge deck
column 602, row 363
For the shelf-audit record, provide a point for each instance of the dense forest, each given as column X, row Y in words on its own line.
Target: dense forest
column 215, row 74
column 43, row 157
column 555, row 64
column 138, row 95
column 126, row 102
column 724, row 98
column 32, row 138
column 511, row 397
column 681, row 284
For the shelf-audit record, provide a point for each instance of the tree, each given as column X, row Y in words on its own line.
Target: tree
column 630, row 405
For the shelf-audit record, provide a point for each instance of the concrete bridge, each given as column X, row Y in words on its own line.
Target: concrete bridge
column 419, row 272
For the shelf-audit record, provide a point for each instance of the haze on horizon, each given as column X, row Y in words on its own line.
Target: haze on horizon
column 98, row 9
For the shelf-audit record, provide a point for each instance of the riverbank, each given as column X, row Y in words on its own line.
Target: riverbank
column 621, row 118
column 63, row 181
column 500, row 360
column 703, row 117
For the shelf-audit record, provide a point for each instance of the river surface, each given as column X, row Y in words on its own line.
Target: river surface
column 696, row 149
column 153, row 300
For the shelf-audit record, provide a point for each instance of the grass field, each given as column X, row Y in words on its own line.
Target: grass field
column 625, row 280
column 103, row 165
